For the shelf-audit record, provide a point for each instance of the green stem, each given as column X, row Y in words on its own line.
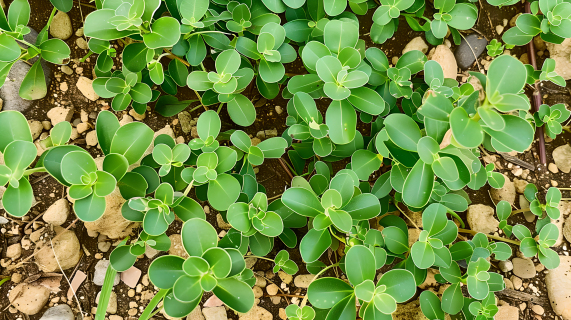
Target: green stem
column 263, row 258
column 86, row 56
column 519, row 211
column 302, row 304
column 333, row 234
column 47, row 26
column 148, row 313
column 220, row 107
column 197, row 107
column 30, row 171
column 4, row 280
column 490, row 236
column 203, row 68
column 200, row 32
column 187, row 190
column 455, row 215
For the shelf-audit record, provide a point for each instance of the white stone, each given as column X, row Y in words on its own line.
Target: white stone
column 416, row 44
column 57, row 213
column 99, row 274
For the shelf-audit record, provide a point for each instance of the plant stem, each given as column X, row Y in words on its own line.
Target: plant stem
column 258, row 257
column 187, row 190
column 4, row 280
column 455, row 215
column 333, row 234
column 519, row 211
column 490, row 236
column 304, row 301
column 86, row 56
column 220, row 107
column 148, row 313
column 34, row 170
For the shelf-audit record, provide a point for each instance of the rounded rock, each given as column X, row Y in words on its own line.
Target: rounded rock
column 61, row 26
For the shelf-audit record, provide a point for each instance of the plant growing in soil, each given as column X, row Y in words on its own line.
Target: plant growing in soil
column 550, row 20
column 15, row 48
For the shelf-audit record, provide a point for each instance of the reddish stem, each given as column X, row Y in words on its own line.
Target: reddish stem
column 536, row 96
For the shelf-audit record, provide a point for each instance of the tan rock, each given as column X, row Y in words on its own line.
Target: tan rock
column 520, row 185
column 61, row 26
column 57, row 213
column 85, row 86
column 36, row 128
column 303, row 280
column 112, row 224
column 416, row 44
column 523, row 268
column 29, row 299
column 177, row 248
column 14, row 251
column 67, row 249
column 558, row 283
column 507, row 312
column 59, row 114
column 257, row 313
column 445, row 57
column 507, row 192
column 91, row 138
column 562, row 154
column 481, row 218
column 561, row 54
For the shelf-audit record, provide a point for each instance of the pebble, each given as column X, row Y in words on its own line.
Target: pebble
column 558, row 282
column 67, row 70
column 60, row 114
column 99, row 274
column 444, row 56
column 481, row 218
column 61, row 26
column 506, row 266
column 553, row 168
column 14, row 251
column 538, row 309
column 287, row 278
column 112, row 305
column 60, row 312
column 416, row 44
column 81, row 43
column 57, row 213
column 91, row 138
column 272, row 289
column 523, row 268
column 104, row 246
column 279, row 110
column 517, row 282
column 303, row 280
column 85, row 87
column 215, row 313
column 562, row 158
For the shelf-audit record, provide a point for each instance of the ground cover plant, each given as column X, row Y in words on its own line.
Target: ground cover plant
column 368, row 141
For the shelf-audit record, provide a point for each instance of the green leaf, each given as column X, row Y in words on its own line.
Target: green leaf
column 10, row 48
column 359, row 265
column 403, row 131
column 314, row 244
column 501, row 69
column 208, row 125
column 132, row 140
column 76, row 165
column 395, row 239
column 452, row 299
column 55, row 51
column 33, row 86
column 242, row 111
column 342, row 121
column 198, row 236
column 192, row 10
column 106, row 126
column 62, row 5
column 98, row 25
column 324, row 293
column 273, row 147
column 223, row 191
column 413, row 60
column 235, row 294
column 302, row 201
column 339, row 34
column 418, row 185
column 466, row 131
column 399, row 284
column 90, row 208
column 164, row 33
column 422, row 254
column 431, row 305
column 165, row 270
column 18, row 201
column 367, row 100
column 18, row 13
column 14, row 127
column 132, row 185
column 168, row 106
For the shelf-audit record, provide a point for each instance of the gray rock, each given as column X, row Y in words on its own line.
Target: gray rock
column 9, row 91
column 99, row 275
column 469, row 49
column 506, row 266
column 61, row 312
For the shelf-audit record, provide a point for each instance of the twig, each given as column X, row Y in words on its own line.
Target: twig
column 536, row 96
column 396, row 205
column 85, row 4
column 66, row 278
column 523, row 296
column 284, row 295
column 490, row 236
column 285, row 168
column 40, row 178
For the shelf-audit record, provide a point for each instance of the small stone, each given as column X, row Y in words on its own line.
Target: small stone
column 60, row 114
column 519, row 185
column 14, row 251
column 562, row 158
column 499, row 29
column 481, row 218
column 28, row 298
column 213, row 301
column 61, row 26
column 256, row 313
column 85, row 86
column 506, row 265
column 272, row 289
column 538, row 309
column 104, row 246
column 517, row 282
column 136, row 116
column 279, row 110
column 507, row 192
column 258, row 293
column 303, row 280
column 79, row 32
column 553, row 168
column 221, row 223
column 57, row 213
column 16, row 278
column 416, row 44
column 47, row 125
column 91, row 138
column 99, row 274
column 507, row 312
column 444, row 56
column 60, row 312
column 282, row 314
column 67, row 70
column 196, row 314
column 470, row 46
column 186, row 121
column 287, row 278
column 36, row 128
column 216, row 313
column 81, row 43
column 177, row 248
column 82, row 127
column 67, row 249
column 558, row 282
column 523, row 268
column 517, row 172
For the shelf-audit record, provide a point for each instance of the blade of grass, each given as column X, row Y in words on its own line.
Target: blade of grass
column 148, row 313
column 106, row 289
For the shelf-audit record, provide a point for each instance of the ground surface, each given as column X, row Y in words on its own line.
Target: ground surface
column 271, row 173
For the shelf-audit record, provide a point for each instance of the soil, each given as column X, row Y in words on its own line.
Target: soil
column 271, row 174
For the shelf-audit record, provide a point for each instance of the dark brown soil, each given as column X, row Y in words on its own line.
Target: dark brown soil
column 271, row 173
